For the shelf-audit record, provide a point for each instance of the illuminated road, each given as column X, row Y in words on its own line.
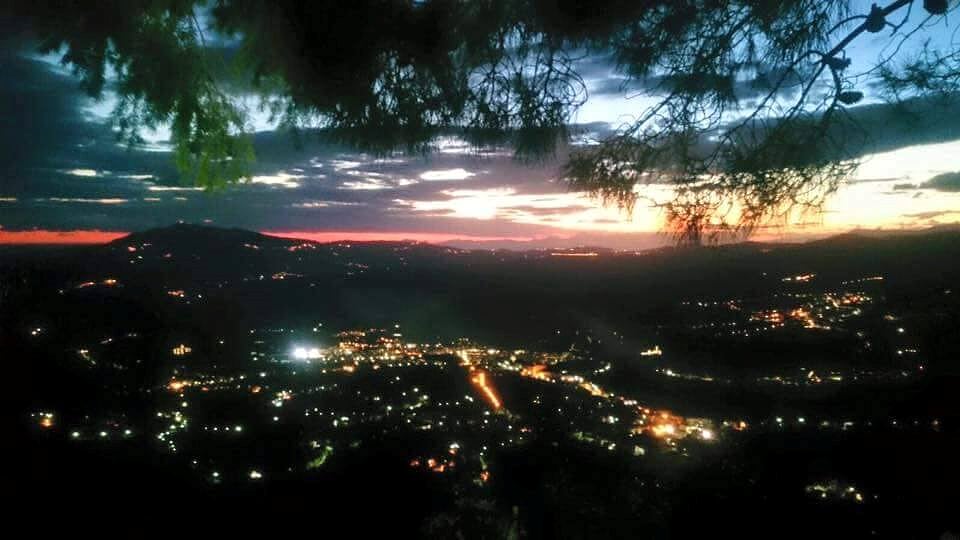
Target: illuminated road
column 479, row 379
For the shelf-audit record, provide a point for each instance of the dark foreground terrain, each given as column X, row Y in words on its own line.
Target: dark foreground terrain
column 196, row 379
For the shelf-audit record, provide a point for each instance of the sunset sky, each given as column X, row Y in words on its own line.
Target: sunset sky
column 65, row 178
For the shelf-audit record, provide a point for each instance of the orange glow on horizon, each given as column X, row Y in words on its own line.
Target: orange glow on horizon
column 379, row 236
column 92, row 237
column 42, row 237
column 78, row 237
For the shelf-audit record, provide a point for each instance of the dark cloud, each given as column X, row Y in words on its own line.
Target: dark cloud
column 854, row 181
column 761, row 83
column 944, row 182
column 931, row 214
column 595, row 66
column 613, row 86
column 45, row 125
column 63, row 168
column 591, row 131
column 541, row 211
column 884, row 127
column 871, row 128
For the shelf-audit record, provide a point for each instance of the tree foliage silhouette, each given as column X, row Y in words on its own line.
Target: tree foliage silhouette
column 750, row 100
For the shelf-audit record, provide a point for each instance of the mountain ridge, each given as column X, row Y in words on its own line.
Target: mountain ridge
column 203, row 232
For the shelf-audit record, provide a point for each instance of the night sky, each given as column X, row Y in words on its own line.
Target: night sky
column 64, row 177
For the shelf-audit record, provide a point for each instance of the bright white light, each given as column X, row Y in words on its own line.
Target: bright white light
column 303, row 353
column 706, row 434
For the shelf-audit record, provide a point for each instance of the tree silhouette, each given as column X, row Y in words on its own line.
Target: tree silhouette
column 751, row 114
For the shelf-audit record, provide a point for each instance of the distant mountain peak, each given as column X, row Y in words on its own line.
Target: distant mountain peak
column 197, row 235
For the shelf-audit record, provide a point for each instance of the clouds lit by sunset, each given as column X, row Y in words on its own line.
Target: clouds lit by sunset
column 67, row 180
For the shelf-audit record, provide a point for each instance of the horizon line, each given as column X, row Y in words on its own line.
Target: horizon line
column 77, row 237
